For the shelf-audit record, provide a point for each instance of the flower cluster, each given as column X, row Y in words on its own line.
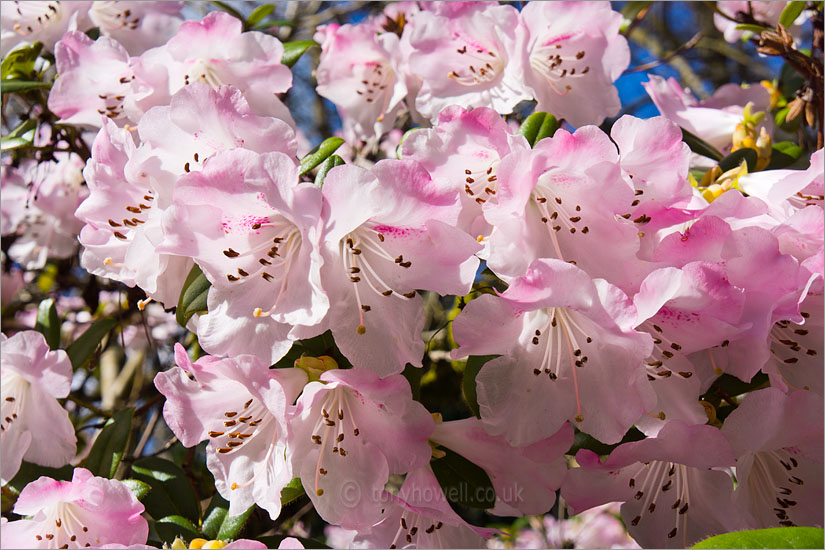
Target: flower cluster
column 636, row 308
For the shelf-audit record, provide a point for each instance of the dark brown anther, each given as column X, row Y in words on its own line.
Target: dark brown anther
column 672, row 533
column 636, row 520
column 231, row 277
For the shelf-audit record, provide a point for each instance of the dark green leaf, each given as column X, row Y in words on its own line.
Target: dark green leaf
column 48, row 323
column 463, row 482
column 790, row 13
column 258, row 14
column 323, row 344
column 294, row 50
column 783, row 155
column 21, row 136
column 82, row 349
column 468, row 383
column 110, row 444
column 273, row 541
column 232, row 525
column 29, row 472
column 734, row 159
column 777, row 537
column 214, row 516
column 138, row 488
column 19, row 63
column 538, row 126
column 780, row 119
column 173, row 526
column 413, row 376
column 171, row 494
column 700, row 146
column 291, row 491
column 193, row 296
column 325, row 167
column 752, row 28
column 586, row 441
column 11, row 86
column 319, row 154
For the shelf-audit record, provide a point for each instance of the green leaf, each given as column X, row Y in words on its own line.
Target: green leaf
column 232, row 525
column 259, row 13
column 172, row 493
column 413, row 376
column 263, row 25
column 19, row 64
column 214, row 515
column 463, row 482
column 273, row 541
column 82, row 349
column 734, row 159
column 757, row 29
column 292, row 491
column 776, row 537
column 583, row 440
column 193, row 296
column 14, row 85
column 110, row 444
column 319, row 154
column 48, row 323
column 783, row 155
column 325, row 167
column 173, row 526
column 138, row 488
column 790, row 13
column 294, row 50
column 468, row 383
column 538, row 126
column 700, row 146
column 19, row 137
column 323, row 344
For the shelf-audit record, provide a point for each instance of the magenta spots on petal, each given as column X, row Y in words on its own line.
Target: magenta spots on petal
column 398, row 232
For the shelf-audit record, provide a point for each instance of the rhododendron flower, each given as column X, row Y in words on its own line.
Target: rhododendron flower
column 387, row 233
column 251, row 227
column 765, row 13
column 420, row 517
column 787, row 191
column 575, row 53
column 137, row 26
column 470, row 58
column 463, row 152
column 525, row 478
column 777, row 440
column 241, row 408
column 350, row 431
column 86, row 512
column 28, row 22
column 218, row 52
column 568, row 352
column 39, row 199
column 565, row 199
column 672, row 495
column 360, row 71
column 35, row 427
column 714, row 119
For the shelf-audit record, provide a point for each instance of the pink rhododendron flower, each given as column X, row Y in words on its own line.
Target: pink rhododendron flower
column 714, row 119
column 360, row 71
column 471, row 58
column 218, row 52
column 568, row 352
column 252, row 228
column 672, row 495
column 389, row 232
column 764, row 12
column 787, row 191
column 85, row 512
column 420, row 517
column 463, row 152
column 241, row 408
column 28, row 22
column 39, row 199
column 137, row 26
column 350, row 431
column 525, row 478
column 35, row 427
column 777, row 440
column 575, row 53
